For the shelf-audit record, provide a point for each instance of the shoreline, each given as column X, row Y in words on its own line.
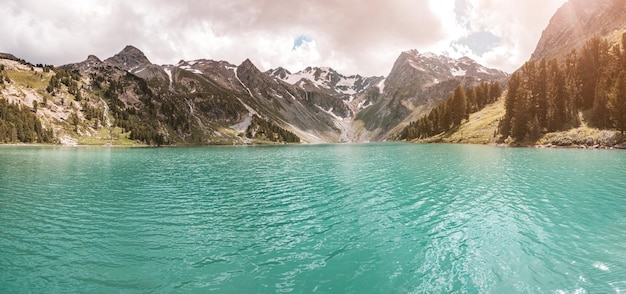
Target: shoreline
column 621, row 146
column 108, row 145
column 72, row 146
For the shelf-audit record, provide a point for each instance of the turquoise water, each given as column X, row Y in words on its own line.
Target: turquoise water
column 370, row 218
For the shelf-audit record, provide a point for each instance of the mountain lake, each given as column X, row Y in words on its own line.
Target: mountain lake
column 336, row 218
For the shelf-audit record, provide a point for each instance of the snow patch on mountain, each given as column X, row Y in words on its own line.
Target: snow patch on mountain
column 193, row 70
column 324, row 78
column 381, row 86
column 189, row 66
column 446, row 67
column 308, row 74
column 168, row 71
column 243, row 126
column 347, row 85
column 363, row 105
column 458, row 72
column 242, row 84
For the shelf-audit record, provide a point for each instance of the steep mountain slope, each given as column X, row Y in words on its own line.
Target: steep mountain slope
column 197, row 102
column 325, row 79
column 578, row 21
column 126, row 98
column 562, row 97
column 416, row 82
column 332, row 91
column 287, row 105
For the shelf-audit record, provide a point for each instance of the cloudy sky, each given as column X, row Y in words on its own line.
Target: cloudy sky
column 351, row 36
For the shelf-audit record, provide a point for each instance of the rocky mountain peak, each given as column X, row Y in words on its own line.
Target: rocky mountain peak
column 578, row 21
column 247, row 69
column 129, row 58
column 247, row 66
column 93, row 59
column 439, row 68
column 131, row 50
column 279, row 72
column 466, row 59
column 248, row 63
column 419, row 79
column 410, row 53
column 325, row 79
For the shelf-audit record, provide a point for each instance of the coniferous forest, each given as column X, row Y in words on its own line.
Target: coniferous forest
column 262, row 129
column 589, row 87
column 449, row 113
column 19, row 123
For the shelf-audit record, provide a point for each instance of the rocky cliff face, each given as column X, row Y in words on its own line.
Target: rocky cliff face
column 206, row 101
column 129, row 59
column 578, row 21
column 416, row 82
column 325, row 79
column 126, row 97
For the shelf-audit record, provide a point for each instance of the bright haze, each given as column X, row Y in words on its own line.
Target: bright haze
column 351, row 36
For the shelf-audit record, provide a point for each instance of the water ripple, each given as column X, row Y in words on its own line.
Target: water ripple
column 328, row 218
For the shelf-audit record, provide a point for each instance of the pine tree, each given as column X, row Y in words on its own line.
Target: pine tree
column 600, row 113
column 495, row 91
column 509, row 105
column 472, row 104
column 572, row 85
column 624, row 51
column 556, row 98
column 529, row 70
column 591, row 62
column 520, row 124
column 458, row 106
column 617, row 103
column 540, row 89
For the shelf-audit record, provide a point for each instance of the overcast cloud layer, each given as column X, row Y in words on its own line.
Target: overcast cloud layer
column 351, row 36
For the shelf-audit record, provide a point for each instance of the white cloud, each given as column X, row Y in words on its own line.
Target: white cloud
column 352, row 36
column 518, row 24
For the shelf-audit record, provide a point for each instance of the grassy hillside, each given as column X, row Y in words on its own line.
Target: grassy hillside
column 482, row 126
column 59, row 111
column 478, row 129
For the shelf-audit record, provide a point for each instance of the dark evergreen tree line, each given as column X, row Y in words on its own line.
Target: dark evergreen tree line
column 64, row 77
column 93, row 113
column 45, row 67
column 4, row 78
column 19, row 124
column 546, row 96
column 142, row 125
column 262, row 129
column 449, row 113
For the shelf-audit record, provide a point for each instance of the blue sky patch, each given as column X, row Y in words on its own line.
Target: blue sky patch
column 300, row 40
column 479, row 42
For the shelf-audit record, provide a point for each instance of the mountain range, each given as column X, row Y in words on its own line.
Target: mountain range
column 215, row 102
column 126, row 99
